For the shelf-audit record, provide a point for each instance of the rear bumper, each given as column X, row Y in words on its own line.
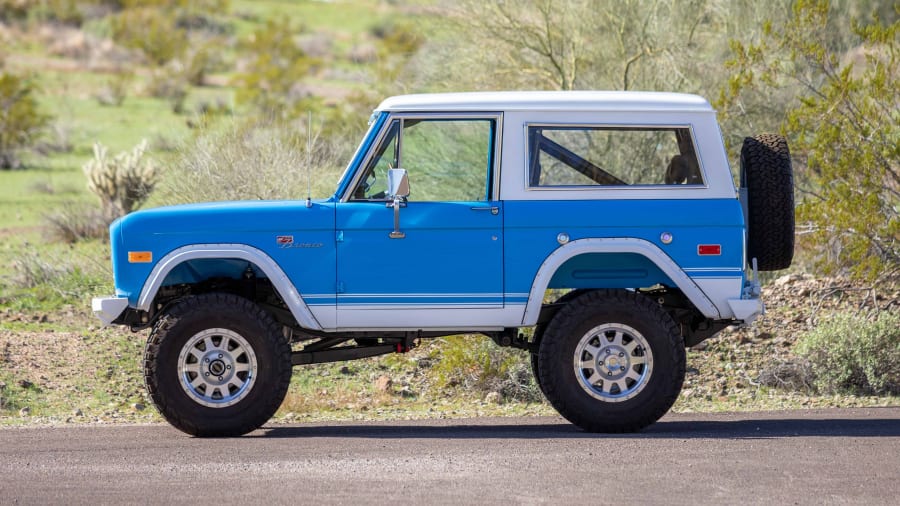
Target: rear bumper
column 747, row 310
column 108, row 309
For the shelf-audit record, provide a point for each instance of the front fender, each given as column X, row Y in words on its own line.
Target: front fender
column 279, row 279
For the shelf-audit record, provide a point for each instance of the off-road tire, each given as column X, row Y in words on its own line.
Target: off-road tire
column 539, row 330
column 217, row 313
column 612, row 310
column 767, row 175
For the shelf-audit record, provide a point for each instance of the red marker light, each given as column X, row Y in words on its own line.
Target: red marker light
column 709, row 249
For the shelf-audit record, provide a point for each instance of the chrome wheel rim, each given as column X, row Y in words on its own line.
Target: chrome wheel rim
column 613, row 362
column 217, row 368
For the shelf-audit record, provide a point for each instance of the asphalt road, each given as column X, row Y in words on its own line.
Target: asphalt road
column 804, row 457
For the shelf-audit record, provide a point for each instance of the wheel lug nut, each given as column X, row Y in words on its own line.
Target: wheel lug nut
column 608, row 351
column 228, row 367
column 609, row 373
column 207, row 374
column 621, row 354
column 220, row 378
column 220, row 355
column 207, row 361
column 623, row 368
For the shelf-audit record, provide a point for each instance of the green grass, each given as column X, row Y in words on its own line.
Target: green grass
column 349, row 17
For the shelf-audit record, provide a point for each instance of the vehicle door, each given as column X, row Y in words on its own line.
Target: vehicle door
column 446, row 251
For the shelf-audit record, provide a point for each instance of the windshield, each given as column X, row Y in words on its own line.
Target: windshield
column 375, row 122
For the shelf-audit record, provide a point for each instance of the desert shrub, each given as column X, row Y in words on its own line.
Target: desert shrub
column 72, row 222
column 32, row 270
column 13, row 10
column 475, row 363
column 21, row 121
column 115, row 90
column 275, row 65
column 170, row 84
column 57, row 139
column 789, row 375
column 854, row 354
column 65, row 278
column 259, row 160
column 122, row 182
column 202, row 60
column 151, row 30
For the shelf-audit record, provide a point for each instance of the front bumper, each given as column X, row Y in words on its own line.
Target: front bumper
column 108, row 309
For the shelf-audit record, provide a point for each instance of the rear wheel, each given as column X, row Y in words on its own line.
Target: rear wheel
column 611, row 361
column 217, row 365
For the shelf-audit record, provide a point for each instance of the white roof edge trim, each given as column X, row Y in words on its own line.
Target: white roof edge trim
column 549, row 101
column 277, row 276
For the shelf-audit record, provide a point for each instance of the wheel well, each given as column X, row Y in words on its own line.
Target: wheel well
column 227, row 275
column 608, row 270
column 694, row 326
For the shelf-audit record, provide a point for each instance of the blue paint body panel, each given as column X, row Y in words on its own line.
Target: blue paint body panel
column 451, row 255
column 531, row 229
column 308, row 259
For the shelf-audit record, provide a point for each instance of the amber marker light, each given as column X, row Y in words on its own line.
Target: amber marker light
column 140, row 257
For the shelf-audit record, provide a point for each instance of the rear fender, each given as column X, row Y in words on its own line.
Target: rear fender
column 624, row 245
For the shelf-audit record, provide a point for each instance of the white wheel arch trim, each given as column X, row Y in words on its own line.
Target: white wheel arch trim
column 265, row 263
column 614, row 245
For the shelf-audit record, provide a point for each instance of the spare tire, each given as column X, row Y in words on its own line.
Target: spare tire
column 767, row 176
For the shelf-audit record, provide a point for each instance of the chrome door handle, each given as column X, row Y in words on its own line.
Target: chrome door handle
column 493, row 209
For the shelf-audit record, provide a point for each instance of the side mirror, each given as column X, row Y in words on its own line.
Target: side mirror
column 398, row 183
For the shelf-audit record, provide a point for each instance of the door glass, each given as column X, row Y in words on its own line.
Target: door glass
column 447, row 160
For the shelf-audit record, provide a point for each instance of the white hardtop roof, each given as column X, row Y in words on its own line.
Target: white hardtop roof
column 548, row 101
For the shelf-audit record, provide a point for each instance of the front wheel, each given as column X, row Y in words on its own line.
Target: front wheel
column 611, row 361
column 217, row 365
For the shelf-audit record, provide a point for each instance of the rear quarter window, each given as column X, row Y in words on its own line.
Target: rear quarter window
column 592, row 156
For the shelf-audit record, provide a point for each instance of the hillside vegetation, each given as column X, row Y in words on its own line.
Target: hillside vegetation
column 107, row 106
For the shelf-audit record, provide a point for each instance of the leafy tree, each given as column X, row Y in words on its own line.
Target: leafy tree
column 666, row 45
column 844, row 126
column 21, row 121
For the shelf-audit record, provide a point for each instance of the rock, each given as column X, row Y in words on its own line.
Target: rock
column 492, row 398
column 137, row 406
column 25, row 411
column 77, row 412
column 346, row 370
column 785, row 280
column 25, row 383
column 383, row 383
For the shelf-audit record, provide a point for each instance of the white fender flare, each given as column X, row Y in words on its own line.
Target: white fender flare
column 614, row 245
column 279, row 279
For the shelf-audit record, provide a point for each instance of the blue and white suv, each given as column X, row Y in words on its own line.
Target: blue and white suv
column 607, row 222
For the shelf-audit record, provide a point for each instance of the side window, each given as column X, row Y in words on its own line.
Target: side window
column 446, row 159
column 611, row 156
